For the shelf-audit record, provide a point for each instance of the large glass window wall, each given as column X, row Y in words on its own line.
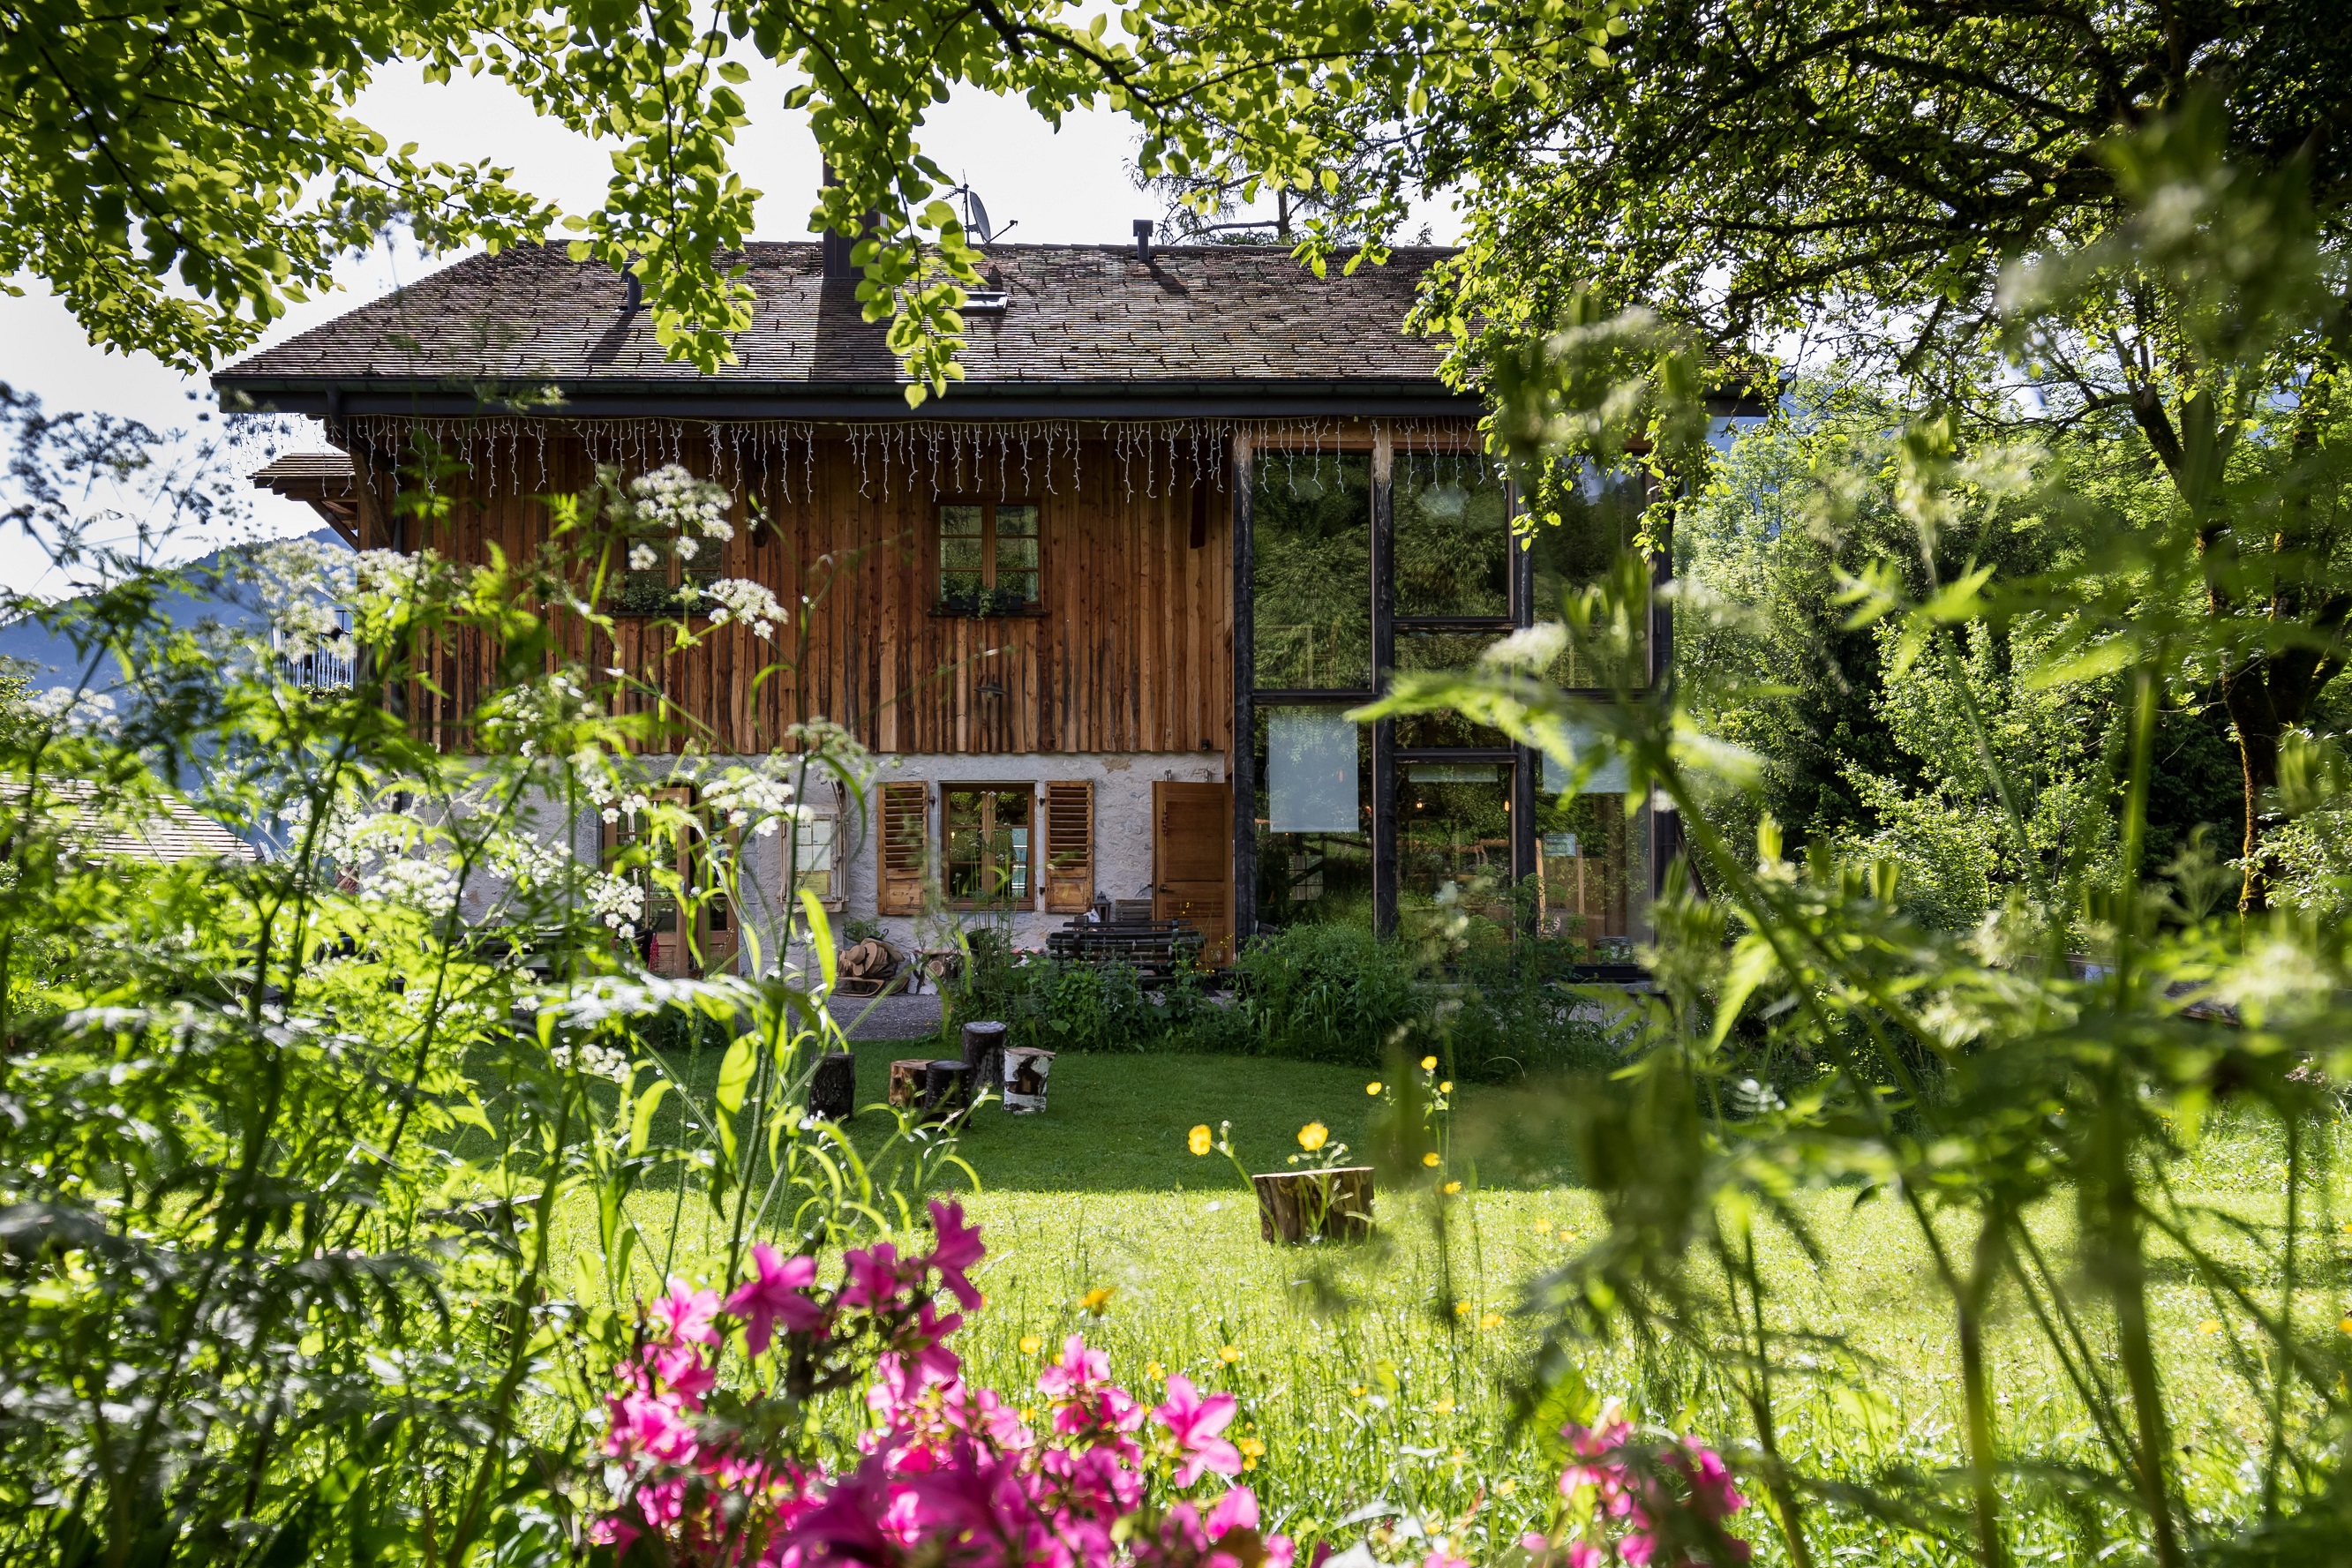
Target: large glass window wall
column 1356, row 572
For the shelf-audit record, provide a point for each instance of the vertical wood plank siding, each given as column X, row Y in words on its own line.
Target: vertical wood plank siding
column 1131, row 652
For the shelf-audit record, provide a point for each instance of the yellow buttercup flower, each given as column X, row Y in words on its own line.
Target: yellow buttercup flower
column 1506, row 1487
column 2210, row 1325
column 1198, row 1139
column 1252, row 1452
column 1031, row 1344
column 1098, row 1299
column 1229, row 1354
column 1446, row 1087
column 1154, row 1371
column 1313, row 1136
column 1491, row 1321
column 1442, row 1407
column 1430, row 1159
column 1452, row 1187
column 1461, row 1309
column 2346, row 1325
column 1429, row 1064
column 1357, row 1391
column 1374, row 1088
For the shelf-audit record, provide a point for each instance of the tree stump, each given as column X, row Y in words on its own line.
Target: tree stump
column 1296, row 1206
column 1025, row 1080
column 832, row 1089
column 984, row 1057
column 947, row 1090
column 907, row 1082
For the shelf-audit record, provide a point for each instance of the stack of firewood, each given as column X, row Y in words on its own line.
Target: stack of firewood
column 869, row 968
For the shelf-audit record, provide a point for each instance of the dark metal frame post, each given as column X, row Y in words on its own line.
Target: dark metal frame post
column 1384, row 841
column 1245, row 643
column 1666, row 821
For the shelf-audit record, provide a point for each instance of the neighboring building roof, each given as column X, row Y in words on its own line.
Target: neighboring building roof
column 177, row 831
column 323, row 480
column 1211, row 324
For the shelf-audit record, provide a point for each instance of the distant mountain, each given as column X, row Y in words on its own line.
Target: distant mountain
column 213, row 599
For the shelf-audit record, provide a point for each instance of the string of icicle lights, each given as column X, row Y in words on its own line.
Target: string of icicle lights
column 928, row 457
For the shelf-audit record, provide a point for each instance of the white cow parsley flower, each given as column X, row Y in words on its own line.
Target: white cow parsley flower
column 740, row 599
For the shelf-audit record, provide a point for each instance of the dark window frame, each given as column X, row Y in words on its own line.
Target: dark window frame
column 985, row 605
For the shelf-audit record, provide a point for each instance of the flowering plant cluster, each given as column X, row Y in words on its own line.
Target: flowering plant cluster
column 1651, row 1500
column 946, row 1473
column 670, row 500
column 739, row 599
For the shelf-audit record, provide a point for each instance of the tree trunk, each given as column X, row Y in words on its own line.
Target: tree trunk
column 2247, row 696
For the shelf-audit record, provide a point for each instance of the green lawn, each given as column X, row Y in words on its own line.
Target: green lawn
column 1118, row 1123
column 1386, row 1375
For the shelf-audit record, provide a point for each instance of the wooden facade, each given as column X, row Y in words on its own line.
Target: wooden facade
column 1130, row 648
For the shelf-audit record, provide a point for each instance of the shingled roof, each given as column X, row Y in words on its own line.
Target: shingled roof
column 1079, row 323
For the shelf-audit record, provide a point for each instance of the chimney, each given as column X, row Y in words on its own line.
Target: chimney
column 1143, row 239
column 836, row 246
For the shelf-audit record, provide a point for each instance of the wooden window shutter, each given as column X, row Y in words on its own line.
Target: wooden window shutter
column 904, row 847
column 1070, row 846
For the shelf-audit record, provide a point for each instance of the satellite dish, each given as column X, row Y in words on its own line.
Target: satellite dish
column 975, row 215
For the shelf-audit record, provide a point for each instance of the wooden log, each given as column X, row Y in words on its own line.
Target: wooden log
column 1297, row 1206
column 906, row 1078
column 832, row 1089
column 984, row 1057
column 947, row 1090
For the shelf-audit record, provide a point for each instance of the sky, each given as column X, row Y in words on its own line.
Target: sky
column 1070, row 186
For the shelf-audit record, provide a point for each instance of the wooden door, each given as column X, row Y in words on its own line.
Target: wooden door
column 1191, row 861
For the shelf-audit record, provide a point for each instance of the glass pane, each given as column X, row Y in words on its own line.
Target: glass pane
column 1454, row 845
column 813, row 856
column 967, row 856
column 1311, row 570
column 1016, row 521
column 1593, row 868
column 1310, row 778
column 961, row 519
column 1009, row 843
column 1611, row 778
column 1452, row 536
column 1598, row 518
column 1015, row 588
column 1442, row 651
column 1319, row 875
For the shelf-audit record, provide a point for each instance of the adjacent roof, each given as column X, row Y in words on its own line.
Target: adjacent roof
column 1232, row 328
column 177, row 831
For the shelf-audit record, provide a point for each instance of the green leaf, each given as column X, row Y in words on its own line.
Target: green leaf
column 641, row 1119
column 820, row 936
column 735, row 1074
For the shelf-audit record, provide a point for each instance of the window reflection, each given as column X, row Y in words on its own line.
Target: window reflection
column 1601, row 517
column 1454, row 845
column 1314, row 819
column 1452, row 534
column 1311, row 570
column 1592, row 861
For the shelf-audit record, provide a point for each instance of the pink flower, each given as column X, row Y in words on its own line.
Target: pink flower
column 874, row 1278
column 777, row 1290
column 1238, row 1510
column 644, row 1425
column 1441, row 1558
column 684, row 1315
column 1582, row 1554
column 680, row 1368
column 1077, row 1373
column 958, row 1248
column 1195, row 1423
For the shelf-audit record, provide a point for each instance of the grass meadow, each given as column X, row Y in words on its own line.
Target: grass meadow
column 1382, row 1387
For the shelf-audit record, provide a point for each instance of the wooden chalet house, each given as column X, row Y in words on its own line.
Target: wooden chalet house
column 1102, row 608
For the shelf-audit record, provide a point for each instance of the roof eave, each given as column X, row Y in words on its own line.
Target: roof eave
column 614, row 398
